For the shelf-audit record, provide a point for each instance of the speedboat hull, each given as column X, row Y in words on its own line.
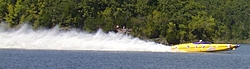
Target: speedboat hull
column 190, row 47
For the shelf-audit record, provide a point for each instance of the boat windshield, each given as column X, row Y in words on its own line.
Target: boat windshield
column 203, row 42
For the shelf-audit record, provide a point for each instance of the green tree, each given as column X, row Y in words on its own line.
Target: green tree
column 3, row 10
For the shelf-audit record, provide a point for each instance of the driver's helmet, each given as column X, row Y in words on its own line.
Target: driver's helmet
column 200, row 40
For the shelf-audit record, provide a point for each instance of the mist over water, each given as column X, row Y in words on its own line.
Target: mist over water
column 55, row 39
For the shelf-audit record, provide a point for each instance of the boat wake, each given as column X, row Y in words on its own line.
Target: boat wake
column 55, row 39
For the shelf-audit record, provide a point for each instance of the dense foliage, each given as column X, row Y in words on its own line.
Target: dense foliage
column 175, row 21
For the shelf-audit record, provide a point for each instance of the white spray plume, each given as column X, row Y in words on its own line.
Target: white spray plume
column 54, row 39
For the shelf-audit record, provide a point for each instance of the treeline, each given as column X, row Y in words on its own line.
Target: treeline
column 172, row 21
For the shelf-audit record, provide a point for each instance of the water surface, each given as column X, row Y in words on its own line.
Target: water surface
column 78, row 59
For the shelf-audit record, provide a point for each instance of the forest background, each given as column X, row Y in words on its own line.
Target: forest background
column 163, row 21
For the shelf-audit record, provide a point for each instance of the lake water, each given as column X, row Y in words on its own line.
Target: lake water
column 77, row 59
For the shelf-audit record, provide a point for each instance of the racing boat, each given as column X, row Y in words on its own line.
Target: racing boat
column 204, row 46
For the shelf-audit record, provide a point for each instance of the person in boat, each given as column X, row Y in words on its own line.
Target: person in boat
column 202, row 42
column 199, row 42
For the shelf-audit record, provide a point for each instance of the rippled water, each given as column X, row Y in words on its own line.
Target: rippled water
column 77, row 59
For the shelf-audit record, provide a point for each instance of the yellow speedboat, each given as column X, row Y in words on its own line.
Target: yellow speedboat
column 203, row 46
